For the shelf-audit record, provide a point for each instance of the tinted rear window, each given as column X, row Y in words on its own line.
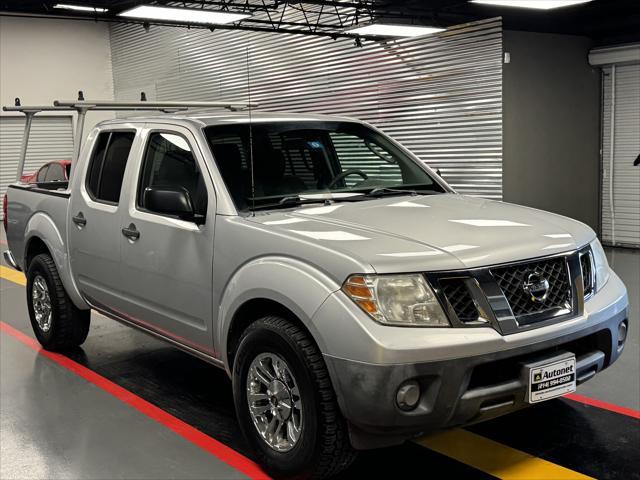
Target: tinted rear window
column 55, row 173
column 108, row 163
column 42, row 174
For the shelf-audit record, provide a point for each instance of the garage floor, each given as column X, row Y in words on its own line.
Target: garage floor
column 127, row 406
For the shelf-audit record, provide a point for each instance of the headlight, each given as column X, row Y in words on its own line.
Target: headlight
column 396, row 299
column 601, row 265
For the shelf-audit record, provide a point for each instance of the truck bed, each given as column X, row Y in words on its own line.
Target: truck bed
column 39, row 204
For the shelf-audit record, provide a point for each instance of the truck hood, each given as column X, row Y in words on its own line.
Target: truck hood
column 432, row 232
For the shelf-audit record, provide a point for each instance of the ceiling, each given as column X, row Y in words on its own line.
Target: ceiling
column 607, row 22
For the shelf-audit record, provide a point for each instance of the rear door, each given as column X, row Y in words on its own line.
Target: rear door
column 95, row 213
column 167, row 269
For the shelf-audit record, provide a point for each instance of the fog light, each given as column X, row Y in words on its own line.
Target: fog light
column 408, row 395
column 622, row 333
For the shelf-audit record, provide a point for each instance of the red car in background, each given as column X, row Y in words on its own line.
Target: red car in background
column 56, row 171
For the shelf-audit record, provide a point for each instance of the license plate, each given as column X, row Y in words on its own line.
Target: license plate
column 552, row 379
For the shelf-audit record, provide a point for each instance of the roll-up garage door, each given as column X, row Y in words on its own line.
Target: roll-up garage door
column 439, row 95
column 620, row 177
column 51, row 138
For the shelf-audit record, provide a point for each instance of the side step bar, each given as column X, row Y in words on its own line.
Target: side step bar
column 8, row 256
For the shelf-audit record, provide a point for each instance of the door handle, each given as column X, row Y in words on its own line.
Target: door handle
column 131, row 232
column 79, row 220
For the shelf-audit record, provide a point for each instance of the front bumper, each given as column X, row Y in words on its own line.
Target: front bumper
column 472, row 388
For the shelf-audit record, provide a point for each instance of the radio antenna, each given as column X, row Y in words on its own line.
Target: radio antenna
column 253, row 181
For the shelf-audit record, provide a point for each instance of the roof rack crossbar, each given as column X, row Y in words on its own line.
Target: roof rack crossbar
column 158, row 105
column 36, row 108
column 39, row 108
column 82, row 106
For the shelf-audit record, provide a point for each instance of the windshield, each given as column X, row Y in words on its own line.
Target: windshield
column 302, row 159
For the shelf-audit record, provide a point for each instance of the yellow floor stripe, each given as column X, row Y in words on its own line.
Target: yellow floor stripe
column 12, row 275
column 461, row 445
column 494, row 458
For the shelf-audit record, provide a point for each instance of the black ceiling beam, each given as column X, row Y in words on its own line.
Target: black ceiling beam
column 216, row 3
column 334, row 34
column 604, row 21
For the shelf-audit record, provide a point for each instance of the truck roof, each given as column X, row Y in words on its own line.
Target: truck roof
column 208, row 118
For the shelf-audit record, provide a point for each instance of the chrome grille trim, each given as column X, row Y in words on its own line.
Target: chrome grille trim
column 588, row 272
column 460, row 299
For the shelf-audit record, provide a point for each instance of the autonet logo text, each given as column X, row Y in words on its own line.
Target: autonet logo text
column 554, row 373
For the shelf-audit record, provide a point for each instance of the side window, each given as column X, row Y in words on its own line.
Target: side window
column 355, row 153
column 109, row 160
column 169, row 162
column 42, row 174
column 55, row 173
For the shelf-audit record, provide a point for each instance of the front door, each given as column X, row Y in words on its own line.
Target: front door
column 166, row 261
column 95, row 212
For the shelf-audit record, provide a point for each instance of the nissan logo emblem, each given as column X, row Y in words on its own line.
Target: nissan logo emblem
column 536, row 286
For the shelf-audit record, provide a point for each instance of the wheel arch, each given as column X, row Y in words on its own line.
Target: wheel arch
column 42, row 236
column 34, row 246
column 282, row 286
column 251, row 311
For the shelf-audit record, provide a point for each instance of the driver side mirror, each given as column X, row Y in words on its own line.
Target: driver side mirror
column 169, row 200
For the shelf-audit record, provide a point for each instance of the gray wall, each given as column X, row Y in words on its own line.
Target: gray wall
column 45, row 60
column 551, row 125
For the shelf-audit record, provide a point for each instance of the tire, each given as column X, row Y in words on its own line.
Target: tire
column 67, row 326
column 322, row 448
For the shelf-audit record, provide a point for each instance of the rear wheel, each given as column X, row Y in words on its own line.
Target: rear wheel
column 57, row 323
column 285, row 403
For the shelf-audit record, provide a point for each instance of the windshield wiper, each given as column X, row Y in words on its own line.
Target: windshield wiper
column 383, row 191
column 289, row 201
column 301, row 200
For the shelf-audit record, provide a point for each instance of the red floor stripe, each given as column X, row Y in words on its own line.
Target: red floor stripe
column 186, row 431
column 630, row 412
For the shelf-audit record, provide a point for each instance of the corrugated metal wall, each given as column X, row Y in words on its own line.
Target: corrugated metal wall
column 440, row 95
column 51, row 138
column 621, row 218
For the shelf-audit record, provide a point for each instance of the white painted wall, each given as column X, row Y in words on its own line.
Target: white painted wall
column 44, row 59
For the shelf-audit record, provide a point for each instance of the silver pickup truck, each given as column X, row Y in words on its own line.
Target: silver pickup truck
column 354, row 298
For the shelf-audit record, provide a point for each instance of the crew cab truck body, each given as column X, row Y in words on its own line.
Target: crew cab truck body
column 355, row 299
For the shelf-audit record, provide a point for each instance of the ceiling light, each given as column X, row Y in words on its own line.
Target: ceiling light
column 80, row 8
column 536, row 4
column 386, row 30
column 183, row 15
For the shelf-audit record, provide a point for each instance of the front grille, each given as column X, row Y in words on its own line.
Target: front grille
column 587, row 273
column 511, row 280
column 457, row 294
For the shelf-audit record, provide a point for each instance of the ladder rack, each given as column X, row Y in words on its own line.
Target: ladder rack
column 82, row 106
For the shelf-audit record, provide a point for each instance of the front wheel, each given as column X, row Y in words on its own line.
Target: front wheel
column 57, row 323
column 285, row 403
